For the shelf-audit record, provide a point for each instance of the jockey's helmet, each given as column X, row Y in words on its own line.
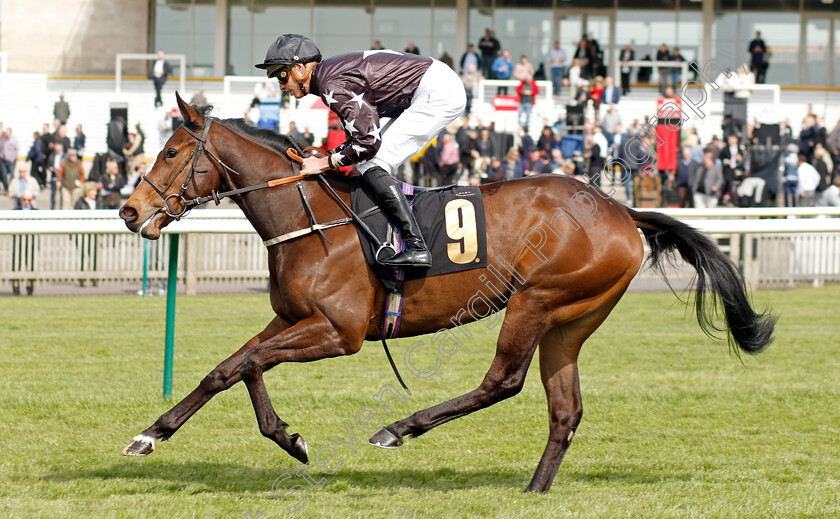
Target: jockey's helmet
column 286, row 51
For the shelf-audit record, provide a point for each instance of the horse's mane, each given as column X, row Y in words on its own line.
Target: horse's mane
column 279, row 142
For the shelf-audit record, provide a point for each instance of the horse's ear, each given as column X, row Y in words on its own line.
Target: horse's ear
column 188, row 113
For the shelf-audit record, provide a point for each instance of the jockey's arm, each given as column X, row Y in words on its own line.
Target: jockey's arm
column 360, row 120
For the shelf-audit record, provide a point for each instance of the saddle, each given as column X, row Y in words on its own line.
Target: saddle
column 450, row 217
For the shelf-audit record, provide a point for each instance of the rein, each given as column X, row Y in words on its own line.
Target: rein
column 215, row 196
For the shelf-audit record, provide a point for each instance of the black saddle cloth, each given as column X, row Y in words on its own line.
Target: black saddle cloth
column 451, row 219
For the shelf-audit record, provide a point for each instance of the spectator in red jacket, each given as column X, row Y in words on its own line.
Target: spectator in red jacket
column 527, row 92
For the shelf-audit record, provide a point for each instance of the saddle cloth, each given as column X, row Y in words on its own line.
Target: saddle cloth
column 451, row 219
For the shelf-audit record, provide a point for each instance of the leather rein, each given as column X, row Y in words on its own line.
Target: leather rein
column 201, row 146
column 215, row 196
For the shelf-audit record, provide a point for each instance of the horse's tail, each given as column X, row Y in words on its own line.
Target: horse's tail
column 749, row 330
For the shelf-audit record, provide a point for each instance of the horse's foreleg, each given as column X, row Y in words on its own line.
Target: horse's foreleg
column 518, row 339
column 308, row 340
column 221, row 378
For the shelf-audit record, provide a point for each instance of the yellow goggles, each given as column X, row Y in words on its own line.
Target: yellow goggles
column 281, row 72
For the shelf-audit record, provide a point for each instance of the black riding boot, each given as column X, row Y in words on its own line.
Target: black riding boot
column 393, row 203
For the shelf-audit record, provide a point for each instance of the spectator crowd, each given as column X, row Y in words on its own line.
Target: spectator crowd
column 750, row 165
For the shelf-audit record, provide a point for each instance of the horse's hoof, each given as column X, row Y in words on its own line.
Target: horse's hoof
column 385, row 439
column 300, row 450
column 140, row 446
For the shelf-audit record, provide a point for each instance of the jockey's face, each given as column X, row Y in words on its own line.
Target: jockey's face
column 292, row 86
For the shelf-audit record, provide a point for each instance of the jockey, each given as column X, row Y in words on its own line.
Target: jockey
column 360, row 87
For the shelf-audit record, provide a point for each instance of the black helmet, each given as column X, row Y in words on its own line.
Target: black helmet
column 290, row 49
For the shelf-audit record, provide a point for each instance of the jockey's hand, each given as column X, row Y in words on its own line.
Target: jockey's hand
column 315, row 165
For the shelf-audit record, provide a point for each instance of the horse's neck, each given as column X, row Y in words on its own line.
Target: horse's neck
column 272, row 211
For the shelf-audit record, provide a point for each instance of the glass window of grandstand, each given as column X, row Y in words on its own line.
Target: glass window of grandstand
column 187, row 28
column 645, row 31
column 444, row 25
column 724, row 42
column 524, row 32
column 816, row 51
column 569, row 31
column 480, row 19
column 342, row 28
column 690, row 34
column 837, row 51
column 780, row 33
column 396, row 23
column 254, row 24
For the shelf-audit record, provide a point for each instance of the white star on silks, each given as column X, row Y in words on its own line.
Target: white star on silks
column 329, row 98
column 359, row 99
column 350, row 127
column 339, row 157
column 386, row 51
column 375, row 132
column 358, row 149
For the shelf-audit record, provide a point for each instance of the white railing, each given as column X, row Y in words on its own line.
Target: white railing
column 546, row 96
column 4, row 68
column 182, row 59
column 661, row 67
column 773, row 246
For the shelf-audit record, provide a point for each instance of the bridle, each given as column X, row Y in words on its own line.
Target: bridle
column 201, row 146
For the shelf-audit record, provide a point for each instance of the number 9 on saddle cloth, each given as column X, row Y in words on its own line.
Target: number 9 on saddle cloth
column 450, row 217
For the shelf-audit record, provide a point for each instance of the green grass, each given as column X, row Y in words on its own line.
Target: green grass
column 674, row 426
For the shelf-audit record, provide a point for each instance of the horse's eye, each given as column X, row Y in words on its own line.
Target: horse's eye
column 171, row 153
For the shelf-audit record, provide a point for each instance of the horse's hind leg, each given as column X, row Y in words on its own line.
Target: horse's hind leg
column 518, row 339
column 221, row 378
column 559, row 350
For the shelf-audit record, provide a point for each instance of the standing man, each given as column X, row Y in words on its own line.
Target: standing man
column 489, row 47
column 757, row 49
column 79, row 140
column 61, row 110
column 71, row 176
column 676, row 71
column 502, row 69
column 627, row 55
column 54, row 163
column 685, row 178
column 556, row 59
column 663, row 55
column 610, row 95
column 161, row 70
column 732, row 159
column 421, row 95
column 707, row 183
column 9, row 150
column 470, row 58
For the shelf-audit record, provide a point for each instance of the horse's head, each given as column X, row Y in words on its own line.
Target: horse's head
column 182, row 171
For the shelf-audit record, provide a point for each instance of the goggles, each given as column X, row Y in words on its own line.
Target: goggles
column 281, row 72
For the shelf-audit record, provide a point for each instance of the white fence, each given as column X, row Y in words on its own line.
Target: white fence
column 220, row 245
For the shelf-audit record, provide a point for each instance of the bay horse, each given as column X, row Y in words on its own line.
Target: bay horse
column 565, row 251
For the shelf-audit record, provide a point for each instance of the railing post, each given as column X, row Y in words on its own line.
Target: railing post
column 192, row 243
column 145, row 290
column 749, row 266
column 171, row 288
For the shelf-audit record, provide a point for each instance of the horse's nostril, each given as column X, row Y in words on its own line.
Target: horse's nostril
column 128, row 213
